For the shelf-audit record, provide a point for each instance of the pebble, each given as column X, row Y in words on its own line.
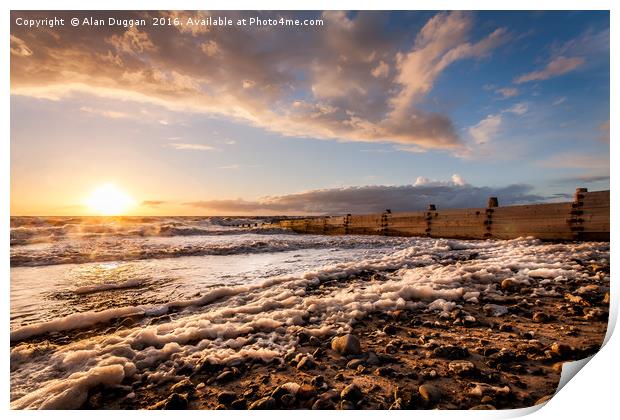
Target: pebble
column 351, row 393
column 451, row 352
column 225, row 376
column 346, row 344
column 540, row 317
column 306, row 392
column 462, row 367
column 226, row 397
column 346, row 405
column 265, row 403
column 560, row 350
column 495, row 310
column 429, row 393
column 175, row 402
column 183, row 386
column 306, row 362
column 353, row 364
column 240, row 404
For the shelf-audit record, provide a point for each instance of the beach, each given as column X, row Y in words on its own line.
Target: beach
column 171, row 313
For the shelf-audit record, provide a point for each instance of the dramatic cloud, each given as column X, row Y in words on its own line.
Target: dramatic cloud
column 351, row 79
column 556, row 67
column 369, row 199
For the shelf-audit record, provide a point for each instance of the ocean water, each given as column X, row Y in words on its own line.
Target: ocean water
column 100, row 300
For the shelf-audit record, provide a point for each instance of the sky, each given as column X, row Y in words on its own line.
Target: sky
column 370, row 110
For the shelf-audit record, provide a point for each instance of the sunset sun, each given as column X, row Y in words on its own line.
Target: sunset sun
column 108, row 200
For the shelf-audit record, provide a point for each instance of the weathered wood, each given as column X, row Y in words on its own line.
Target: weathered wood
column 585, row 218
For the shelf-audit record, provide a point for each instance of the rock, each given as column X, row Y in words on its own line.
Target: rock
column 323, row 404
column 175, row 402
column 226, row 397
column 384, row 371
column 390, row 329
column 314, row 341
column 560, row 350
column 397, row 404
column 540, row 317
column 287, row 400
column 306, row 362
column 482, row 389
column 354, row 363
column 265, row 403
column 306, row 392
column 429, row 393
column 590, row 314
column 372, row 359
column 183, row 386
column 510, row 284
column 317, row 381
column 290, row 388
column 346, row 405
column 225, row 376
column 240, row 404
column 462, row 368
column 494, row 310
column 544, row 399
column 346, row 344
column 468, row 320
column 351, row 393
column 505, row 328
column 451, row 352
column 483, row 407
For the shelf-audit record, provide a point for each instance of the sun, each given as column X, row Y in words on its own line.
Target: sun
column 108, row 200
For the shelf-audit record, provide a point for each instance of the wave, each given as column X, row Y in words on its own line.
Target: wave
column 120, row 249
column 230, row 324
column 32, row 230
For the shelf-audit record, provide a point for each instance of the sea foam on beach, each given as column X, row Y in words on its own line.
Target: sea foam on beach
column 188, row 304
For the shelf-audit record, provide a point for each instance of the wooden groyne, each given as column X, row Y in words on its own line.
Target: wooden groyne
column 585, row 218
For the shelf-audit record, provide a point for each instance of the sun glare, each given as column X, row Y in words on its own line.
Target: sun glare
column 108, row 200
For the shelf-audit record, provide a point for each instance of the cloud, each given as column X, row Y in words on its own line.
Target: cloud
column 19, row 47
column 507, row 92
column 559, row 101
column 152, row 203
column 353, row 80
column 486, row 129
column 556, row 67
column 191, row 146
column 369, row 199
column 104, row 112
column 574, row 160
column 233, row 166
column 603, row 129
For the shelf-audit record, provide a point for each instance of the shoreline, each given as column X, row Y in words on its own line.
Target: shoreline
column 475, row 356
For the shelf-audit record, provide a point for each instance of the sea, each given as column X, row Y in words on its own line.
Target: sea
column 101, row 300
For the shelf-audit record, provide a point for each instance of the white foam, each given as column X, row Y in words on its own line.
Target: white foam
column 262, row 320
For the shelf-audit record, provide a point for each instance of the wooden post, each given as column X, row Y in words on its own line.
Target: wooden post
column 488, row 221
column 429, row 218
column 575, row 219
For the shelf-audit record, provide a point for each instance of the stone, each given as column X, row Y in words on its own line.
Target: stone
column 462, row 368
column 372, row 359
column 544, row 399
column 451, row 352
column 265, row 403
column 287, row 400
column 483, row 407
column 390, row 329
column 540, row 317
column 306, row 392
column 354, row 363
column 225, row 376
column 226, row 397
column 240, row 404
column 494, row 310
column 481, row 389
column 346, row 405
column 510, row 284
column 560, row 350
column 384, row 371
column 317, row 381
column 429, row 393
column 183, row 386
column 176, row 402
column 352, row 393
column 346, row 345
column 306, row 362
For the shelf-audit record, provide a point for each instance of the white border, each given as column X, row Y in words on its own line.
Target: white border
column 592, row 394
